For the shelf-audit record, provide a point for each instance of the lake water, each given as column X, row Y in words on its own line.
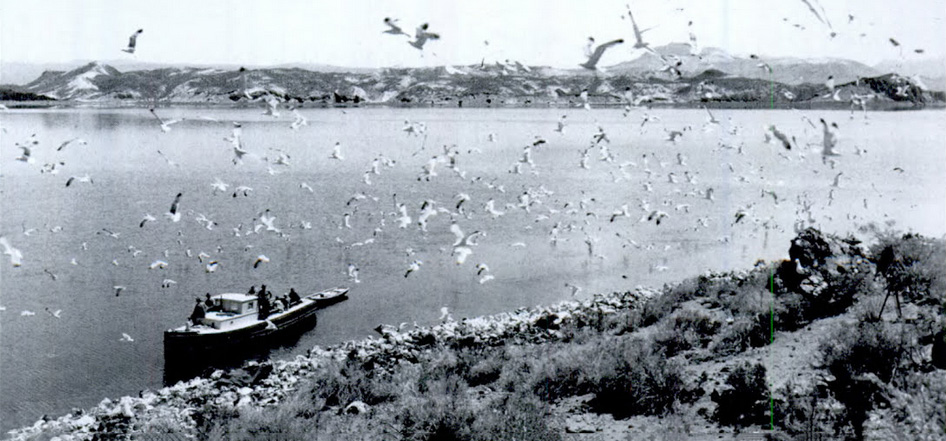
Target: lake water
column 49, row 365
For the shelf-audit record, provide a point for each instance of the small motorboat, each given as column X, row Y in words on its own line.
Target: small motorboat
column 329, row 297
column 235, row 322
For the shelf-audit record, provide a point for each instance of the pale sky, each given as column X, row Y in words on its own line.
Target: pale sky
column 534, row 32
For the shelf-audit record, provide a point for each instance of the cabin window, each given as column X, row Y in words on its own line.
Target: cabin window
column 251, row 306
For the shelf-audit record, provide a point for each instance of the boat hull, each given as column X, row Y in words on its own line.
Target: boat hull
column 184, row 343
column 189, row 352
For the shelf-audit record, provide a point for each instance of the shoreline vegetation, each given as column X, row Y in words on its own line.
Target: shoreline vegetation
column 843, row 340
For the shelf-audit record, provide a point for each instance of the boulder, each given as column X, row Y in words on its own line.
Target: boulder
column 356, row 408
column 579, row 425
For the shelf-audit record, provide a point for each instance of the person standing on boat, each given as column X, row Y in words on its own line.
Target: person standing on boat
column 264, row 305
column 252, row 290
column 209, row 303
column 198, row 313
column 293, row 297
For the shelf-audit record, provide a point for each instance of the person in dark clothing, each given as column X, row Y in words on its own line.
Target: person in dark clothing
column 208, row 302
column 264, row 304
column 293, row 297
column 252, row 290
column 198, row 312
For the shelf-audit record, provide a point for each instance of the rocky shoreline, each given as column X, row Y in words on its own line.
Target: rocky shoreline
column 171, row 409
column 625, row 365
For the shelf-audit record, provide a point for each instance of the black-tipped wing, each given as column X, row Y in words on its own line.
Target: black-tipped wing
column 599, row 51
column 174, row 205
column 133, row 40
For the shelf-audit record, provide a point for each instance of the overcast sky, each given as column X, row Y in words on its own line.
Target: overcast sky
column 534, row 32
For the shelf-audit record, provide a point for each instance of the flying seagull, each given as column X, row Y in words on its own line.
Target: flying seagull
column 829, row 141
column 394, row 28
column 638, row 34
column 260, row 259
column 132, row 41
column 212, row 266
column 461, row 247
column 421, row 36
column 598, row 52
column 158, row 264
column 781, row 137
column 414, row 266
column 165, row 125
column 73, row 140
column 146, row 219
column 16, row 257
column 174, row 214
column 85, row 178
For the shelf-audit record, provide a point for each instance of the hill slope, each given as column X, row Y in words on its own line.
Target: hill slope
column 485, row 85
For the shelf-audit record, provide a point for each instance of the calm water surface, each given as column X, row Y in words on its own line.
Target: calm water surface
column 49, row 365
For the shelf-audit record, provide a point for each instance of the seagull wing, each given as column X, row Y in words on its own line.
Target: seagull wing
column 455, row 229
column 599, row 51
column 637, row 31
column 462, row 253
column 133, row 40
column 394, row 29
column 813, row 10
column 174, row 205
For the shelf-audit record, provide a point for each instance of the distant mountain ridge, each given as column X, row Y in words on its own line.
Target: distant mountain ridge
column 712, row 75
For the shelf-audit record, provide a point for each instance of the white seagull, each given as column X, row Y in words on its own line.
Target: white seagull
column 86, row 179
column 638, row 34
column 166, row 125
column 353, row 273
column 394, row 29
column 337, row 151
column 79, row 141
column 219, row 186
column 299, row 121
column 174, row 212
column 133, row 41
column 575, row 288
column 260, row 259
column 462, row 246
column 595, row 56
column 421, row 36
column 16, row 257
column 148, row 218
column 414, row 266
column 829, row 141
column 242, row 189
column 272, row 105
column 26, row 155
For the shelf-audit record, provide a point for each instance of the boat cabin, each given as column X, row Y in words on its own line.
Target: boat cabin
column 231, row 310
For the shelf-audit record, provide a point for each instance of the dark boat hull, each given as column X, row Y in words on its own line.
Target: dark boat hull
column 189, row 354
